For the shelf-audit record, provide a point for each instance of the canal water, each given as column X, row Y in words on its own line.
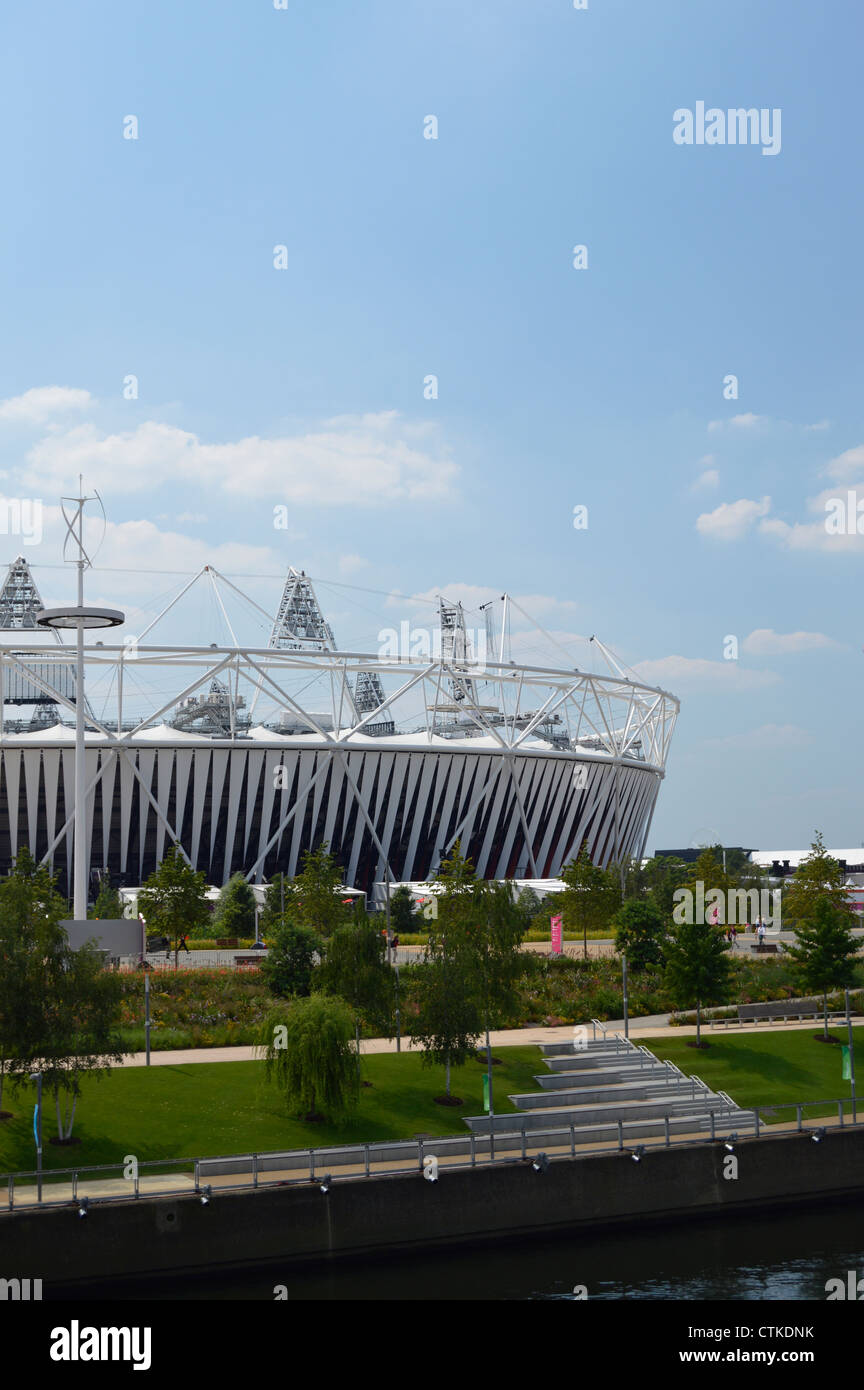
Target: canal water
column 788, row 1255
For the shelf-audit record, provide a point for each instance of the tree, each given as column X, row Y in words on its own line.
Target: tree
column 309, row 1056
column 708, row 869
column 59, row 1009
column 235, row 910
column 30, row 913
column 448, row 1021
column 662, row 875
column 530, row 905
column 591, row 897
column 639, row 933
column 447, row 1024
column 817, row 879
column 273, row 909
column 697, row 968
column 496, row 944
column 825, row 950
column 633, row 874
column 313, row 897
column 108, row 906
column 403, row 916
column 172, row 901
column 81, row 1035
column 355, row 969
column 289, row 965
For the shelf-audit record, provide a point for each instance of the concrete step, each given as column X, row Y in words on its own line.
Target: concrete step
column 583, row 1061
column 561, row 1049
column 538, row 1100
column 550, row 1081
column 583, row 1116
column 606, row 1130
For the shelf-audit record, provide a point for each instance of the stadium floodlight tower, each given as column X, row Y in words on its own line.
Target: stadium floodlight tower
column 300, row 625
column 81, row 619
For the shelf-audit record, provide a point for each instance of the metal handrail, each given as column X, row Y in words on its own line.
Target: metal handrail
column 521, row 1143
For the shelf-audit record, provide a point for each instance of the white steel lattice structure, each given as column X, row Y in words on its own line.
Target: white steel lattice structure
column 539, row 762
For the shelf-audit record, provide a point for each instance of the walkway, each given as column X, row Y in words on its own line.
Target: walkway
column 641, row 1029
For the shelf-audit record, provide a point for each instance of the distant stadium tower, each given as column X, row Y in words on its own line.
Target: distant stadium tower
column 27, row 681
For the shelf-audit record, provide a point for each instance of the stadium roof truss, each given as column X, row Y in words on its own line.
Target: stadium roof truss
column 510, row 707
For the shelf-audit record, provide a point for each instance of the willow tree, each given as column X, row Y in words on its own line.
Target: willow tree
column 309, row 1055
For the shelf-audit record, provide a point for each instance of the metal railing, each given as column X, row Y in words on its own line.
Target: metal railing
column 294, row 1168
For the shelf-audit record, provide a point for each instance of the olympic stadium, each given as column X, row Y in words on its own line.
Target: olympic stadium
column 247, row 756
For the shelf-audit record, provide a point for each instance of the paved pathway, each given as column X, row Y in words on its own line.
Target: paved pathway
column 641, row 1029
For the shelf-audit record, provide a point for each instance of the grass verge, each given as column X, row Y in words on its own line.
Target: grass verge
column 206, row 1109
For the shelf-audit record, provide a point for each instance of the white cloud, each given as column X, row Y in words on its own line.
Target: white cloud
column 731, row 520
column 847, row 464
column 764, row 641
column 40, row 403
column 131, row 549
column 819, row 425
column 748, row 421
column 695, row 675
column 710, row 478
column 357, row 461
column 809, row 536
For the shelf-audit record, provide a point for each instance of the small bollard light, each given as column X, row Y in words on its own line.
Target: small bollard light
column 83, row 1205
column 205, row 1195
column 541, row 1164
column 818, row 1135
column 729, row 1144
column 325, row 1185
column 637, row 1153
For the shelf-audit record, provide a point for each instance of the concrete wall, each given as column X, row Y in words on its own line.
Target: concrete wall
column 281, row 1225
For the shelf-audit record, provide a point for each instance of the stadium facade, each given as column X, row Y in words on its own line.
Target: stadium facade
column 388, row 762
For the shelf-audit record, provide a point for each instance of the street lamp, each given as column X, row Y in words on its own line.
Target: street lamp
column 80, row 619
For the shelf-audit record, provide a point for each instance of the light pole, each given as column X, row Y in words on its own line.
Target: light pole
column 81, row 619
column 393, row 960
column 37, row 1132
column 624, row 984
column 147, row 1010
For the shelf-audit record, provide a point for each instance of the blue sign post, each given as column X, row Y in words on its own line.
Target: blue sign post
column 37, row 1132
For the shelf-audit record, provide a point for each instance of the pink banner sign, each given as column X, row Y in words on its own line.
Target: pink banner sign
column 557, row 924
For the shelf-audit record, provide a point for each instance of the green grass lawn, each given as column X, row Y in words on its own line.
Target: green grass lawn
column 214, row 1108
column 770, row 1068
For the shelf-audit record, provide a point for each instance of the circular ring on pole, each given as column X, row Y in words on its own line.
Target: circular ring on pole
column 85, row 617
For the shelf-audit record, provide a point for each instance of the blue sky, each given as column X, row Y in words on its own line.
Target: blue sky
column 304, row 387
